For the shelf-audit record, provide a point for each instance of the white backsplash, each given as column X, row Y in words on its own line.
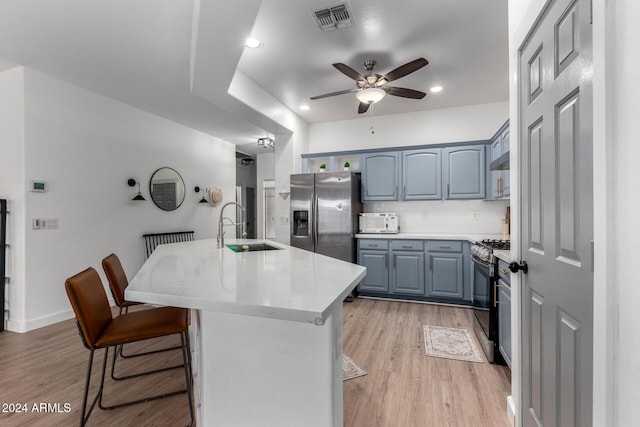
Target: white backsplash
column 450, row 216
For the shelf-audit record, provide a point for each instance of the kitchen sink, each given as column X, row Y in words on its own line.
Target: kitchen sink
column 252, row 247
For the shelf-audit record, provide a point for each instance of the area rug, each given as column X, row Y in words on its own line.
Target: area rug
column 350, row 370
column 450, row 343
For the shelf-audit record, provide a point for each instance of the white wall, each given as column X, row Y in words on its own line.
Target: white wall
column 625, row 91
column 469, row 123
column 265, row 169
column 12, row 179
column 86, row 146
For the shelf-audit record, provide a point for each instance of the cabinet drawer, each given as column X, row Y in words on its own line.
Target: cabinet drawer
column 379, row 244
column 407, row 245
column 444, row 246
column 504, row 272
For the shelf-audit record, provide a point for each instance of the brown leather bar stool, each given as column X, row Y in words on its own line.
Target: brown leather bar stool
column 118, row 282
column 100, row 330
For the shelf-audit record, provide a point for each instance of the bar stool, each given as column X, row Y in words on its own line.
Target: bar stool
column 118, row 282
column 100, row 330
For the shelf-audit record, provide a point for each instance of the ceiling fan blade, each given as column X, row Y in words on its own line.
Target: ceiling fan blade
column 362, row 108
column 405, row 69
column 404, row 92
column 348, row 71
column 340, row 92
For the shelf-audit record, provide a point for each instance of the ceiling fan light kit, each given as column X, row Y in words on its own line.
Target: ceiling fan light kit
column 372, row 87
column 370, row 95
column 266, row 142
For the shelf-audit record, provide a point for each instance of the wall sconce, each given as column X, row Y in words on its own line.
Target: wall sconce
column 204, row 191
column 132, row 182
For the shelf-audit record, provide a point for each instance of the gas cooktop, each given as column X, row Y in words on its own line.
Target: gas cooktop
column 497, row 244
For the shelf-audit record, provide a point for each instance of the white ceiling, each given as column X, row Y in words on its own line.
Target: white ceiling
column 139, row 52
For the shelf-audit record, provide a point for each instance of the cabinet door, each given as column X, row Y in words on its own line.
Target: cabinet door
column 444, row 275
column 422, row 174
column 464, row 172
column 504, row 320
column 380, row 176
column 377, row 264
column 407, row 272
column 506, row 179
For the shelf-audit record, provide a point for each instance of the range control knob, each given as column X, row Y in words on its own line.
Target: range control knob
column 514, row 267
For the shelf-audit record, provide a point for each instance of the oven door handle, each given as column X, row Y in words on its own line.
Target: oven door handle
column 481, row 262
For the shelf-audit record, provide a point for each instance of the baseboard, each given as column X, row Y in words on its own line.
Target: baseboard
column 40, row 322
column 511, row 410
column 415, row 301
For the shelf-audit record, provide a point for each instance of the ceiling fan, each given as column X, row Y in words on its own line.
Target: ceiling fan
column 372, row 87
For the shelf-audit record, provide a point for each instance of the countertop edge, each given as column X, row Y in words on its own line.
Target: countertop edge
column 470, row 237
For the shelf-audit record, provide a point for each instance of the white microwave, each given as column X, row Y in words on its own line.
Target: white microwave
column 379, row 223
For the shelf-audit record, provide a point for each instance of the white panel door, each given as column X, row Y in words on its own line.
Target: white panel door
column 556, row 173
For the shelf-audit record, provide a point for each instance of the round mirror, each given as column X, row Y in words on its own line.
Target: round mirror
column 167, row 189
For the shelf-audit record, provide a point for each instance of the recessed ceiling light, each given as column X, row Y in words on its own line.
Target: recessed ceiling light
column 305, row 107
column 436, row 89
column 252, row 43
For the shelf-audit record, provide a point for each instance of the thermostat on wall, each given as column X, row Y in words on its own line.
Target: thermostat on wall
column 38, row 186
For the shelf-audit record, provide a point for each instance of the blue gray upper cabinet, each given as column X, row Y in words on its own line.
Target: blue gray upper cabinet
column 422, row 174
column 380, row 176
column 464, row 172
column 500, row 179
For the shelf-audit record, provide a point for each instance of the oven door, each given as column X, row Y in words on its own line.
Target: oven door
column 482, row 275
column 484, row 324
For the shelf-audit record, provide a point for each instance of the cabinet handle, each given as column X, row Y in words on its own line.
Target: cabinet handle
column 444, row 246
column 404, row 192
column 394, row 260
column 372, row 245
column 430, row 262
column 396, row 193
column 386, row 260
column 500, row 186
column 447, row 191
column 495, row 294
column 407, row 246
column 503, row 271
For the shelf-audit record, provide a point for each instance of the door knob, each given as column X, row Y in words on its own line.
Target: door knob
column 514, row 267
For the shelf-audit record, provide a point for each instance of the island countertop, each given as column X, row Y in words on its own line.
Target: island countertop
column 287, row 284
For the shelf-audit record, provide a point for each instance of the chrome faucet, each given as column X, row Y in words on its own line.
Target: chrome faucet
column 221, row 223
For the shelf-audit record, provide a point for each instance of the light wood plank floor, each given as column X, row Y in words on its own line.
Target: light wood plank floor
column 403, row 386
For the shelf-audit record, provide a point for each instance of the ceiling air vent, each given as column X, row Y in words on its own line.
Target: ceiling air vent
column 330, row 18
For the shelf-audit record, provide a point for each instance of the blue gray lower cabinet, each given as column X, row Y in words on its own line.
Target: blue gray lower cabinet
column 429, row 270
column 377, row 264
column 407, row 267
column 504, row 311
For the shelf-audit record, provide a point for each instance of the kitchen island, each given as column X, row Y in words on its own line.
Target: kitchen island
column 266, row 328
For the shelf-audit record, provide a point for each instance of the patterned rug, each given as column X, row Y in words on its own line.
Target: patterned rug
column 350, row 370
column 450, row 343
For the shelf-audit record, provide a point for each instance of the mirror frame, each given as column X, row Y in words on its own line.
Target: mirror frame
column 180, row 181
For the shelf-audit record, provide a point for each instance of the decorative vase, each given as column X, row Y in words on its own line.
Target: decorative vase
column 346, row 168
column 323, row 169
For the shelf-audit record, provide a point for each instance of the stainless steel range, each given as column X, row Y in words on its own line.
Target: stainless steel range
column 485, row 295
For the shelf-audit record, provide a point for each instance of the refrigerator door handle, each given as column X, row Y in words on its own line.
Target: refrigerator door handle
column 315, row 220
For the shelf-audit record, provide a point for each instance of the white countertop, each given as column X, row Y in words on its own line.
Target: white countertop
column 435, row 236
column 288, row 284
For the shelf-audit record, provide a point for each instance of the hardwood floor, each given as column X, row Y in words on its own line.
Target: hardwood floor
column 403, row 386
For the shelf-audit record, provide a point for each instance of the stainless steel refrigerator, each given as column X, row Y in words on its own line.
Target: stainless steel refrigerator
column 324, row 213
